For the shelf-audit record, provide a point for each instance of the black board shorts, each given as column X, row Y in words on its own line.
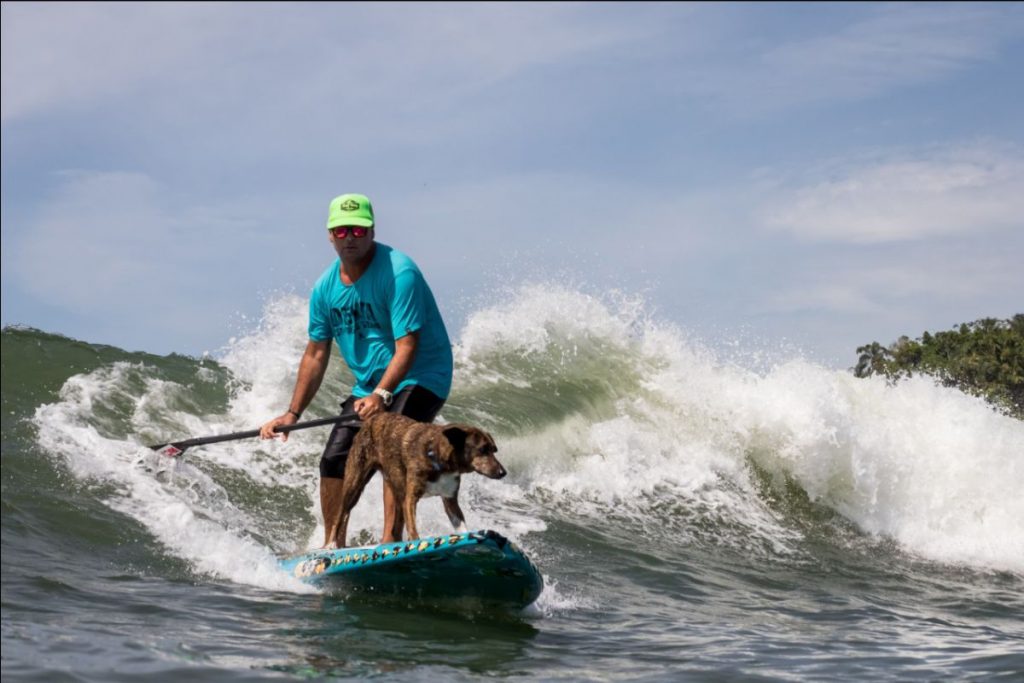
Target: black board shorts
column 414, row 401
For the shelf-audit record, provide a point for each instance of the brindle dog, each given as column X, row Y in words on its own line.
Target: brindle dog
column 417, row 460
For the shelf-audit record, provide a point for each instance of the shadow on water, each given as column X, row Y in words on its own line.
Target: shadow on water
column 359, row 635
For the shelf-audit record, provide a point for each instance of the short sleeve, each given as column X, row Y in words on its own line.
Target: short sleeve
column 407, row 309
column 319, row 320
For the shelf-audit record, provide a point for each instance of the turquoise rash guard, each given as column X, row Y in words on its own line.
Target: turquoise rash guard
column 390, row 300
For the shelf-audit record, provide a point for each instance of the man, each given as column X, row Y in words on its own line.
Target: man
column 374, row 302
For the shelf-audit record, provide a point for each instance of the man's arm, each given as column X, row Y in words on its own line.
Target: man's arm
column 312, row 368
column 405, row 353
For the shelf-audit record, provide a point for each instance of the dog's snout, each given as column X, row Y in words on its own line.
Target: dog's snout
column 489, row 467
column 498, row 470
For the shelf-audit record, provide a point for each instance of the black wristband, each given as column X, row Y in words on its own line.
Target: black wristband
column 298, row 416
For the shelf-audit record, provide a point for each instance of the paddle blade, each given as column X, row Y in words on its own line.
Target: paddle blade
column 169, row 450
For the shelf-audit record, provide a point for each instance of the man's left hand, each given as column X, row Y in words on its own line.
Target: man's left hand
column 368, row 406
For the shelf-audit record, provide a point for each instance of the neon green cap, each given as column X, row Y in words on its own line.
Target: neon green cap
column 350, row 209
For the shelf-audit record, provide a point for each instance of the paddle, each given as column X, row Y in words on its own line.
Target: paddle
column 174, row 450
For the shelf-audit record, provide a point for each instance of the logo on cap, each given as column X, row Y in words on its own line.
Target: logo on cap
column 349, row 205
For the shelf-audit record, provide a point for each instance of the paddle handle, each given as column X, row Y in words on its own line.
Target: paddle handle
column 176, row 448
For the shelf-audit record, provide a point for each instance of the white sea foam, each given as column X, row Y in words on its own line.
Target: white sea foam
column 172, row 512
column 933, row 469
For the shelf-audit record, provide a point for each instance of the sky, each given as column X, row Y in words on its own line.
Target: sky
column 815, row 175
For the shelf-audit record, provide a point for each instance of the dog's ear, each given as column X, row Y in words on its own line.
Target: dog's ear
column 456, row 436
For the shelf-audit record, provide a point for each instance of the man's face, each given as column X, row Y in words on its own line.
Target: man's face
column 350, row 248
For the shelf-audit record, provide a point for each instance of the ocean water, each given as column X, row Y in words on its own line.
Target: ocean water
column 695, row 516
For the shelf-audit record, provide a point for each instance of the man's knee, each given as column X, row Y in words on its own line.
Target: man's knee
column 335, row 455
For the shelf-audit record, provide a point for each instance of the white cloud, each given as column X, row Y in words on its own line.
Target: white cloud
column 971, row 277
column 955, row 190
column 887, row 47
column 385, row 59
column 900, row 45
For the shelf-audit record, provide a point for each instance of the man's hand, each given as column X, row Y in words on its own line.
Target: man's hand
column 369, row 406
column 267, row 430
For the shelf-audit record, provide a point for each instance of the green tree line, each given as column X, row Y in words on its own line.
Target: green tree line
column 985, row 357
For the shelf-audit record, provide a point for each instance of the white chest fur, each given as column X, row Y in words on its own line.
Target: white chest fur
column 446, row 486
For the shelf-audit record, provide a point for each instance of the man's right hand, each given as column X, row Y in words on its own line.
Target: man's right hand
column 267, row 430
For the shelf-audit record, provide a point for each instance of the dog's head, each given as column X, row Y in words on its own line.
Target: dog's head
column 473, row 450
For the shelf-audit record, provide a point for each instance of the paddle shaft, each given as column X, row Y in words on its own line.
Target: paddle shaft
column 203, row 440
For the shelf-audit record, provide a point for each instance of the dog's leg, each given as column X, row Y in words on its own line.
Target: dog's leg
column 398, row 527
column 393, row 517
column 455, row 516
column 410, row 497
column 357, row 475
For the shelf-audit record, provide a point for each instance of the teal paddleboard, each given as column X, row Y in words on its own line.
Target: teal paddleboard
column 479, row 565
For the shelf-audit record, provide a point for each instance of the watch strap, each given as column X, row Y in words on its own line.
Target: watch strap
column 385, row 395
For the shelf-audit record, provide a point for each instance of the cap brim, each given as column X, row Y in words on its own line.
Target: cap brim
column 349, row 222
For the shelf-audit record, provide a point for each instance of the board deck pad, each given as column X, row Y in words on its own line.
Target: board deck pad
column 481, row 565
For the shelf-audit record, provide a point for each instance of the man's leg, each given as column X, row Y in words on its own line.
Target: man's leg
column 422, row 405
column 332, row 477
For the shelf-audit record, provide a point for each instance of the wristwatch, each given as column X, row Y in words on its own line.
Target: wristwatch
column 385, row 395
